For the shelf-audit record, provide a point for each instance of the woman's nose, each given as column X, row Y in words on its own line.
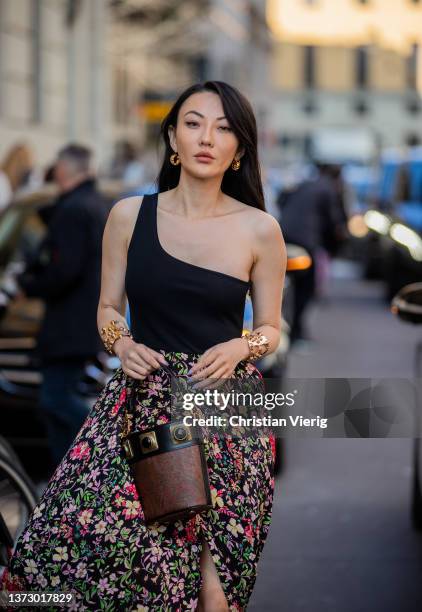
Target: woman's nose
column 206, row 137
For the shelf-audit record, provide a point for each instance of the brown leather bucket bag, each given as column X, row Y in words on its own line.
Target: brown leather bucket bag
column 169, row 467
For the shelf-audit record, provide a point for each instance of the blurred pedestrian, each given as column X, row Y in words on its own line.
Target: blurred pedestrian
column 15, row 171
column 127, row 166
column 332, row 240
column 66, row 275
column 310, row 216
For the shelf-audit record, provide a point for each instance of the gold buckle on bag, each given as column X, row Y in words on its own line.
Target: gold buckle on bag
column 180, row 433
column 148, row 442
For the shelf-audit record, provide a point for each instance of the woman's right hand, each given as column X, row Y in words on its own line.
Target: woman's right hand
column 137, row 359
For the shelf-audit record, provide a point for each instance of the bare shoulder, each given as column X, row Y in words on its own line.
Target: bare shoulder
column 125, row 210
column 267, row 228
column 122, row 218
column 263, row 226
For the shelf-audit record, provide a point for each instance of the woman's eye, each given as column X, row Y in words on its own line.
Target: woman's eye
column 226, row 127
column 191, row 123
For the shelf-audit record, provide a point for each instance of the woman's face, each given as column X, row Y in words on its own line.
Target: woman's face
column 202, row 128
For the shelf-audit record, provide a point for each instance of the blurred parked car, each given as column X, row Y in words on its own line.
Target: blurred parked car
column 390, row 230
column 407, row 305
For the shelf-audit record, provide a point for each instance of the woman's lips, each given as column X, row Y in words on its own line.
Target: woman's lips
column 203, row 158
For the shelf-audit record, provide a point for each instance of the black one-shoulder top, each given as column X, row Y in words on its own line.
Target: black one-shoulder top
column 175, row 305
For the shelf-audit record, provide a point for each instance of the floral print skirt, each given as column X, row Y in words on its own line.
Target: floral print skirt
column 87, row 534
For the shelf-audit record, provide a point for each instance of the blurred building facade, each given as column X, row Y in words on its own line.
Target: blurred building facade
column 179, row 43
column 239, row 51
column 353, row 64
column 99, row 71
column 53, row 74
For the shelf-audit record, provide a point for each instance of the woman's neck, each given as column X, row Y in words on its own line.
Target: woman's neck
column 197, row 198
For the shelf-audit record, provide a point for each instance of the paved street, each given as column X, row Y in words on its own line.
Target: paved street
column 341, row 538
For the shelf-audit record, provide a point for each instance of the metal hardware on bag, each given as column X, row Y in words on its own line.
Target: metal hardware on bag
column 148, row 445
column 180, row 433
column 148, row 442
column 128, row 449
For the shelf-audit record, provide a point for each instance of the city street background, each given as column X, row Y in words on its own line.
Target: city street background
column 336, row 88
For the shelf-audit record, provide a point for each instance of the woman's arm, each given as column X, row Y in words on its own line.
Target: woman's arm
column 137, row 359
column 268, row 277
column 112, row 301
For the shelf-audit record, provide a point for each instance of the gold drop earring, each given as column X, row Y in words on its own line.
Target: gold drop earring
column 236, row 164
column 175, row 159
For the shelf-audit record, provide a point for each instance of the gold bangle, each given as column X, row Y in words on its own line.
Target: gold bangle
column 112, row 332
column 258, row 345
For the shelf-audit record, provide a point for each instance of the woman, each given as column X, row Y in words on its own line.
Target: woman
column 14, row 172
column 185, row 257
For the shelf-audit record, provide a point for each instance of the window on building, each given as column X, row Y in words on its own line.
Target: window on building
column 228, row 70
column 361, row 107
column 200, row 67
column 309, row 66
column 121, row 102
column 412, row 67
column 310, row 107
column 361, row 67
column 412, row 140
column 36, row 83
column 413, row 105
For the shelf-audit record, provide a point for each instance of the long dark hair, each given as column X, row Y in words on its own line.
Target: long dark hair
column 244, row 184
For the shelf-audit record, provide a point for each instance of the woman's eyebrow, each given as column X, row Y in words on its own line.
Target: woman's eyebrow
column 201, row 115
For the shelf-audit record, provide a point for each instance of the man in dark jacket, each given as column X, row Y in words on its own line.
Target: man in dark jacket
column 311, row 216
column 67, row 275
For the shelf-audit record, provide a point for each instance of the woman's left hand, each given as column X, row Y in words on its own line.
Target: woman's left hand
column 218, row 363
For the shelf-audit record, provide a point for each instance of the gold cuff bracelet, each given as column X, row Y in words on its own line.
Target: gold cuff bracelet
column 112, row 332
column 258, row 345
